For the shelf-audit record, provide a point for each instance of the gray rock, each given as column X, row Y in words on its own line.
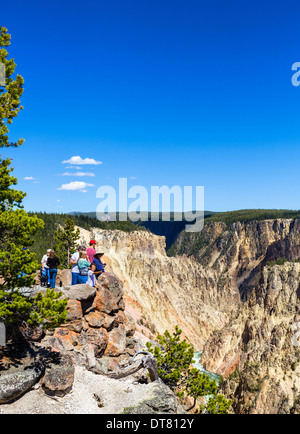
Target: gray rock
column 159, row 399
column 80, row 292
column 15, row 382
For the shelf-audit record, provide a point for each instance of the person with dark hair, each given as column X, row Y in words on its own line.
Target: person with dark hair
column 99, row 264
column 52, row 264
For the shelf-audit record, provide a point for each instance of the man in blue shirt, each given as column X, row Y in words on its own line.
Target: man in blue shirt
column 99, row 264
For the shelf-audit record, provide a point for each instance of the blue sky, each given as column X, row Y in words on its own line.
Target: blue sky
column 181, row 92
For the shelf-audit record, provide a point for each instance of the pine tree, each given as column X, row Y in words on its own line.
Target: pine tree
column 17, row 228
column 174, row 365
column 66, row 244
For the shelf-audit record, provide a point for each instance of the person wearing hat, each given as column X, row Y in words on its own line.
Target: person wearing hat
column 91, row 251
column 99, row 264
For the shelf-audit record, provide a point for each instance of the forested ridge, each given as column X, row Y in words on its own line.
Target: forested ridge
column 45, row 238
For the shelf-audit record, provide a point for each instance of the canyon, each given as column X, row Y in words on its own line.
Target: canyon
column 234, row 291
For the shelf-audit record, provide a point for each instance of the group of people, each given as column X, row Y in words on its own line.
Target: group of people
column 87, row 266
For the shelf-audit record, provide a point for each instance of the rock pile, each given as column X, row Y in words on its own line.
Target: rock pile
column 96, row 323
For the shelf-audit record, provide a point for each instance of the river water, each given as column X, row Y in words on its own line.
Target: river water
column 196, row 364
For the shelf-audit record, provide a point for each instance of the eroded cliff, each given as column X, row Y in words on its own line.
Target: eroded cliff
column 167, row 291
column 234, row 290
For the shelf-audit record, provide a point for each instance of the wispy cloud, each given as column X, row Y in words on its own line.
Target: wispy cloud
column 79, row 174
column 76, row 186
column 29, row 178
column 77, row 160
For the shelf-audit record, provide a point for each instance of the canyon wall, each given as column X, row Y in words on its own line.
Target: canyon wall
column 258, row 351
column 235, row 292
column 167, row 291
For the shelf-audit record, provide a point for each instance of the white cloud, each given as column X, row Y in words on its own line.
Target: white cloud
column 77, row 160
column 76, row 186
column 80, row 174
column 29, row 178
column 73, row 167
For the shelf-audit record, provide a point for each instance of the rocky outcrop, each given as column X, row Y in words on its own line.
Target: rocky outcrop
column 97, row 338
column 96, row 322
column 95, row 317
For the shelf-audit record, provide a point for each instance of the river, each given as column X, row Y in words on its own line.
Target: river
column 196, row 364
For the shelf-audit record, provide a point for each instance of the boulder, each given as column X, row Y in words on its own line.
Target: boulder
column 79, row 292
column 16, row 381
column 59, row 376
column 31, row 333
column 74, row 310
column 130, row 326
column 95, row 319
column 68, row 338
column 65, row 278
column 113, row 284
column 97, row 337
column 116, row 344
column 158, row 399
column 53, row 343
column 104, row 302
column 109, row 322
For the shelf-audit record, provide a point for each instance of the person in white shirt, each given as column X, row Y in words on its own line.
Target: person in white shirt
column 91, row 276
column 44, row 266
column 74, row 262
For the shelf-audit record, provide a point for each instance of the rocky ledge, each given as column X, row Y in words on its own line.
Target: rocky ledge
column 97, row 328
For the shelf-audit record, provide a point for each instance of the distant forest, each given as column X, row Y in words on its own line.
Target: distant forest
column 252, row 214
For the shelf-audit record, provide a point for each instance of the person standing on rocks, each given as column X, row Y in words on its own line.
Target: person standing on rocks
column 99, row 264
column 91, row 251
column 45, row 268
column 52, row 262
column 74, row 262
column 83, row 266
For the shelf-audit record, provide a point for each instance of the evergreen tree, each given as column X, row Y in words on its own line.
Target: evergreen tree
column 174, row 364
column 66, row 238
column 17, row 228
